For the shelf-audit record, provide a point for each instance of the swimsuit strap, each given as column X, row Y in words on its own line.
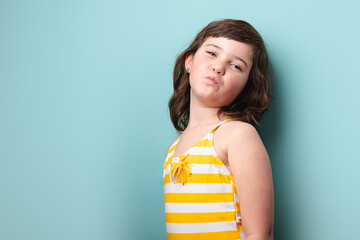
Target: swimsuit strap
column 218, row 125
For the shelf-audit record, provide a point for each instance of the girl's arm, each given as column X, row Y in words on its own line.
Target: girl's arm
column 250, row 166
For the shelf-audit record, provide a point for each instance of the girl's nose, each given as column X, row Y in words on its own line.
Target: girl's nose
column 218, row 68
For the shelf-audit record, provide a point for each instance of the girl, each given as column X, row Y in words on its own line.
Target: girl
column 217, row 174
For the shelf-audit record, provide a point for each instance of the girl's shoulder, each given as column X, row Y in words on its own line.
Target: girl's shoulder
column 237, row 133
column 237, row 128
column 172, row 145
column 236, row 139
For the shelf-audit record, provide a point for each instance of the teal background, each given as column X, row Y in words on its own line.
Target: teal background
column 84, row 123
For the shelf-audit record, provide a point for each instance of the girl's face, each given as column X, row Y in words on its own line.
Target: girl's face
column 219, row 71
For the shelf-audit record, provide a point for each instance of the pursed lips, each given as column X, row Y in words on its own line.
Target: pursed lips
column 212, row 79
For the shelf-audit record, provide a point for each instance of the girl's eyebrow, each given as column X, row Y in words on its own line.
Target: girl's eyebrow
column 213, row 45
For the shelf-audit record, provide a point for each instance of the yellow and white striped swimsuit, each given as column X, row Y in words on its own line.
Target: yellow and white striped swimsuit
column 200, row 194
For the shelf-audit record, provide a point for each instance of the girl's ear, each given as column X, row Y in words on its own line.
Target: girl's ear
column 188, row 60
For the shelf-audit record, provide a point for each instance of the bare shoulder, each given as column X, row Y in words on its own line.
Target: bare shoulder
column 240, row 141
column 239, row 127
column 237, row 132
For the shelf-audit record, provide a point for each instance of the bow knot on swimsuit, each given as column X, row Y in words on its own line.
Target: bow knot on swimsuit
column 181, row 170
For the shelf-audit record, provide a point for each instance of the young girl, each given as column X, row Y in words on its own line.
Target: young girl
column 217, row 174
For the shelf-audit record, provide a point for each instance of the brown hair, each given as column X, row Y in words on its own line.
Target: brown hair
column 253, row 100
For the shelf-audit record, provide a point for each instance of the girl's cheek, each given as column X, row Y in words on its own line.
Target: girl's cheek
column 237, row 86
column 233, row 85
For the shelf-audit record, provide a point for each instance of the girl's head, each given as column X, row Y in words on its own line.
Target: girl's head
column 251, row 103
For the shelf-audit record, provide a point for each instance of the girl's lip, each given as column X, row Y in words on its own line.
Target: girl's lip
column 212, row 79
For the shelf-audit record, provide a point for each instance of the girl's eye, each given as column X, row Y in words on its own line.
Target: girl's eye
column 237, row 67
column 211, row 53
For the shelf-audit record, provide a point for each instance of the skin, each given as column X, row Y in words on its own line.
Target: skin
column 218, row 73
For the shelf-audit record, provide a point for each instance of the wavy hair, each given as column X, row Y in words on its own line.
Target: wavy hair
column 253, row 100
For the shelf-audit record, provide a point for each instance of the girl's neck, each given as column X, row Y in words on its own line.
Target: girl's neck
column 200, row 115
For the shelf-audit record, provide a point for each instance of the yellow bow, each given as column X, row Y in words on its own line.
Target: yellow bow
column 181, row 170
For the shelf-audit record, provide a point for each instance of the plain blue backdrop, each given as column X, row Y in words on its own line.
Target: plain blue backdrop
column 84, row 124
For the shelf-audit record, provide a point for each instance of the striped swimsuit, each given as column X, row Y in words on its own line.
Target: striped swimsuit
column 200, row 194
